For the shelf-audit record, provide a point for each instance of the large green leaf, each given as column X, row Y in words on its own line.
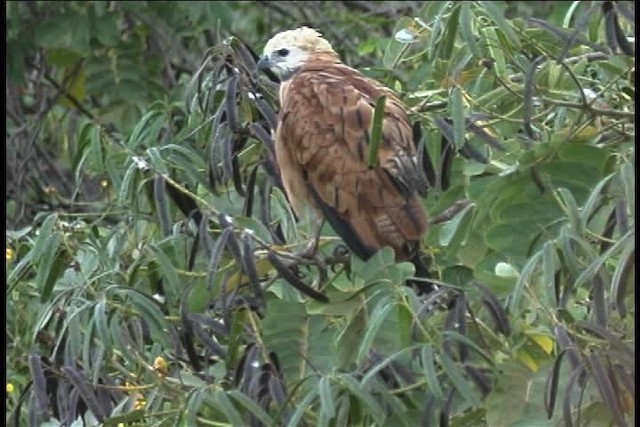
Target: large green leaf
column 304, row 344
column 68, row 30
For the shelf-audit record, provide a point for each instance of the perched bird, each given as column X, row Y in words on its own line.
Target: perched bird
column 322, row 144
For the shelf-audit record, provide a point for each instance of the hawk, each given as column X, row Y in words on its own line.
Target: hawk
column 322, row 143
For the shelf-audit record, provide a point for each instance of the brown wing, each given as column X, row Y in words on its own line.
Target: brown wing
column 322, row 148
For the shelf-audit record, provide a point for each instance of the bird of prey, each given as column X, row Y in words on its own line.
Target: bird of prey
column 322, row 143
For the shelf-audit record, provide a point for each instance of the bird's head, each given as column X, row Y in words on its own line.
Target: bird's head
column 288, row 51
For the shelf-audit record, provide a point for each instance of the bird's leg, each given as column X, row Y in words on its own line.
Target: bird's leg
column 308, row 255
column 311, row 249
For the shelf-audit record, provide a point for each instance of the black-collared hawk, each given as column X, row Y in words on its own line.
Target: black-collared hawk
column 322, row 147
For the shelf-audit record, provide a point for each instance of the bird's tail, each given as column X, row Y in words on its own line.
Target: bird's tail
column 421, row 283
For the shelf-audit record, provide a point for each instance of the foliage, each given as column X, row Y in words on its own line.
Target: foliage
column 154, row 273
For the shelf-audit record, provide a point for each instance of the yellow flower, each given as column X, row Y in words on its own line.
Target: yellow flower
column 10, row 254
column 139, row 404
column 10, row 388
column 160, row 365
column 104, row 183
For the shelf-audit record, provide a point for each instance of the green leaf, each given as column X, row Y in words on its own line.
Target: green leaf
column 67, row 30
column 461, row 384
column 97, row 148
column 162, row 205
column 100, row 319
column 437, row 25
column 376, row 321
column 302, row 342
column 429, row 367
column 224, row 403
column 129, row 417
column 371, row 373
column 490, row 36
column 158, row 163
column 396, row 49
column 578, row 178
column 466, row 26
column 128, row 186
column 518, row 398
column 458, row 115
column 304, row 405
column 457, row 226
column 147, row 129
column 593, row 201
column 498, row 17
column 445, row 50
column 148, row 309
column 257, row 227
column 526, row 276
column 627, row 176
column 592, row 269
column 455, row 336
column 250, row 406
column 40, row 246
column 166, row 266
column 376, row 131
column 63, row 57
column 550, row 265
column 327, row 397
column 105, row 29
column 570, row 207
column 349, row 335
column 51, row 267
column 365, row 397
column 284, row 215
column 194, row 403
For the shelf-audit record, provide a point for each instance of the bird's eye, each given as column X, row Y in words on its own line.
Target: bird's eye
column 282, row 52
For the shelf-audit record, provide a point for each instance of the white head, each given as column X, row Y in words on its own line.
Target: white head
column 287, row 51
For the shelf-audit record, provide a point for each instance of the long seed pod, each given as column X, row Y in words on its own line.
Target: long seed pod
column 485, row 136
column 425, row 162
column 606, row 390
column 247, row 209
column 162, row 205
column 267, row 112
column 237, row 176
column 231, row 106
column 496, row 309
column 551, row 385
column 216, row 255
column 263, row 136
column 249, row 266
column 86, row 392
column 232, row 244
column 205, row 338
column 527, row 102
column 39, row 386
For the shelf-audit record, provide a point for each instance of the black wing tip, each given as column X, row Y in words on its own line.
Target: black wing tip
column 343, row 228
column 423, row 286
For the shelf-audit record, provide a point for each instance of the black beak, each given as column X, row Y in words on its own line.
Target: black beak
column 264, row 63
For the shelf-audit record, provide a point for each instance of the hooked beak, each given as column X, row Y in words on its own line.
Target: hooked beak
column 265, row 63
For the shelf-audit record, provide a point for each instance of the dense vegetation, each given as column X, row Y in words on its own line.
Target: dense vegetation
column 152, row 275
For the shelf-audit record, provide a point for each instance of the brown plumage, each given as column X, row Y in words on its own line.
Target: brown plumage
column 322, row 145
